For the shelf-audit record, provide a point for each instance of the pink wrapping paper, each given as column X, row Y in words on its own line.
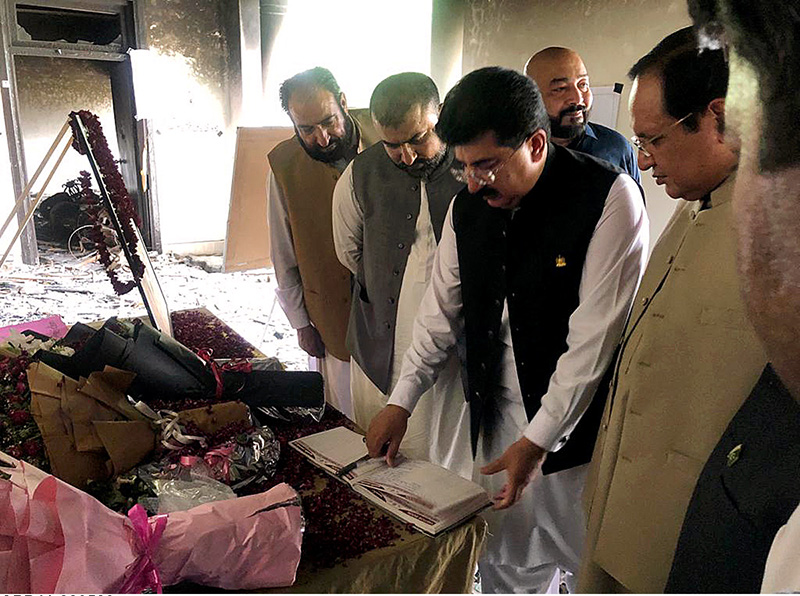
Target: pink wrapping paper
column 56, row 539
column 51, row 326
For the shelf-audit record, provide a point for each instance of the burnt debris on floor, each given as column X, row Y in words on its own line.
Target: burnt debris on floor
column 77, row 289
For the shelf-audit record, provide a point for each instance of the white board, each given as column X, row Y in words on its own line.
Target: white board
column 605, row 108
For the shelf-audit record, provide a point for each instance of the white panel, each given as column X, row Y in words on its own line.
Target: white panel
column 606, row 105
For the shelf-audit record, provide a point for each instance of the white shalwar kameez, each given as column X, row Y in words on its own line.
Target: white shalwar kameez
column 439, row 429
column 544, row 531
column 335, row 373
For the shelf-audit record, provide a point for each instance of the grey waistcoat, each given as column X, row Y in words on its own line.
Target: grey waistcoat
column 389, row 199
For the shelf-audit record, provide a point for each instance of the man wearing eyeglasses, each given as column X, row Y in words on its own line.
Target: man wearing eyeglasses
column 564, row 82
column 533, row 278
column 689, row 356
column 388, row 211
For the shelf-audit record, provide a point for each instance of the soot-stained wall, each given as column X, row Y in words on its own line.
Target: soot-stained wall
column 186, row 91
column 48, row 89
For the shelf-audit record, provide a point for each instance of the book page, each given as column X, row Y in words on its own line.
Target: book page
column 332, row 449
column 428, row 488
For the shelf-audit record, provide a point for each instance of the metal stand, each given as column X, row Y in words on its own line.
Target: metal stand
column 149, row 288
column 21, row 199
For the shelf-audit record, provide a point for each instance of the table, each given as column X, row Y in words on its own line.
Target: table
column 418, row 564
column 415, row 563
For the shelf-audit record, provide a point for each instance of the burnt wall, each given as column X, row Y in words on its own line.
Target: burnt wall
column 187, row 87
column 48, row 89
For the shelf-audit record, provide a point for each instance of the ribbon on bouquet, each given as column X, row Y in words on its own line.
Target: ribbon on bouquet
column 216, row 459
column 236, row 365
column 142, row 574
column 221, row 456
column 171, row 430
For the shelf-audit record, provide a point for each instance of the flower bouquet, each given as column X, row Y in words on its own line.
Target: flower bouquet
column 91, row 431
column 168, row 371
column 57, row 539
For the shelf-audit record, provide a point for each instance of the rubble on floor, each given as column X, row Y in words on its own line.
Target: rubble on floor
column 77, row 289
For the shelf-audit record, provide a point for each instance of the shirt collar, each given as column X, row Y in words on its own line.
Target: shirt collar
column 724, row 192
column 357, row 126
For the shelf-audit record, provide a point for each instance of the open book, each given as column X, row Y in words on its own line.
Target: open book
column 423, row 494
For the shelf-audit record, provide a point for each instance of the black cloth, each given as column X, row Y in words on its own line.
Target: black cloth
column 533, row 259
column 606, row 143
column 748, row 489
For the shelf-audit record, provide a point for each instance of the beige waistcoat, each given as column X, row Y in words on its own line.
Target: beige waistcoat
column 690, row 358
column 308, row 187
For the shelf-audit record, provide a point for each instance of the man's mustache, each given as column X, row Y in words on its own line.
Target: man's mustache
column 485, row 192
column 572, row 110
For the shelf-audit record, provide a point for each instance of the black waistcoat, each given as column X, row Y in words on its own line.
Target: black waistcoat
column 534, row 259
column 748, row 489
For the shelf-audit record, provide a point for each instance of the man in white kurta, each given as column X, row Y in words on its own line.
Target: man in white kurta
column 335, row 372
column 439, row 430
column 313, row 289
column 543, row 532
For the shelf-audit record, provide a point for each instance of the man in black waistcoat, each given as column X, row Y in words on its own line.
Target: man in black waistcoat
column 538, row 262
column 741, row 532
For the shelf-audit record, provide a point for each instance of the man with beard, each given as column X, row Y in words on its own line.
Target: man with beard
column 744, row 511
column 538, row 263
column 689, row 355
column 389, row 207
column 564, row 83
column 313, row 287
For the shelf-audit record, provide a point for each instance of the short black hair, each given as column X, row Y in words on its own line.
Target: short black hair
column 314, row 77
column 396, row 95
column 692, row 76
column 766, row 34
column 493, row 99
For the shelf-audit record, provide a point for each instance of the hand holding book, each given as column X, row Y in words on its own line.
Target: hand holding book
column 386, row 431
column 423, row 494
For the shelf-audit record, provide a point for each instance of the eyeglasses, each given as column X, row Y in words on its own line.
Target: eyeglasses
column 481, row 176
column 641, row 144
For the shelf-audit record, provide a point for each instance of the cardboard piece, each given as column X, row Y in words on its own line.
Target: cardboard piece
column 212, row 420
column 127, row 443
column 247, row 237
column 90, row 431
column 66, row 462
column 67, row 416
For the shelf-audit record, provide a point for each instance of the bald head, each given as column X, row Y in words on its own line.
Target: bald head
column 542, row 62
column 564, row 83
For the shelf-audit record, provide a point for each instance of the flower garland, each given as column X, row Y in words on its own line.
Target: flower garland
column 118, row 194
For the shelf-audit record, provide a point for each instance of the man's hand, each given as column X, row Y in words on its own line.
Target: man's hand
column 387, row 430
column 310, row 340
column 522, row 460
